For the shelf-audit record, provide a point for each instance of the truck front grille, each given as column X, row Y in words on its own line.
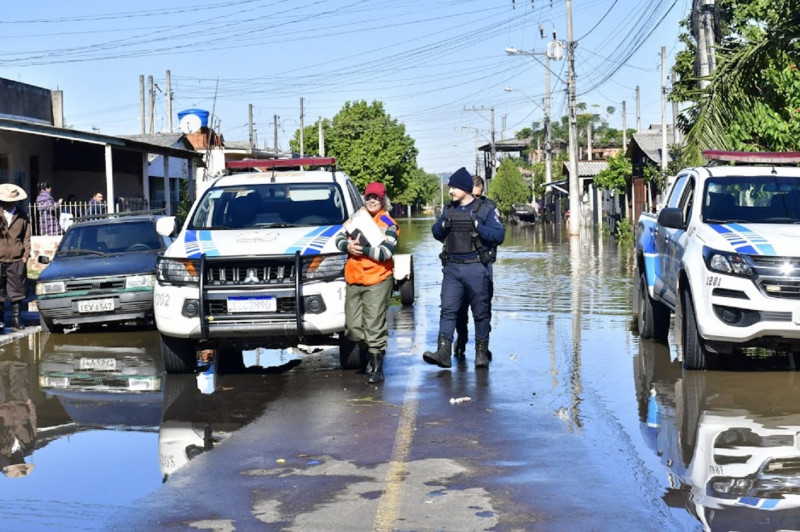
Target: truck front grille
column 103, row 283
column 255, row 273
column 777, row 277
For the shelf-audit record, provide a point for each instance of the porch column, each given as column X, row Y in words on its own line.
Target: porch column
column 109, row 180
column 167, row 205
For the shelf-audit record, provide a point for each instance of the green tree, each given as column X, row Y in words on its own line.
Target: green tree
column 617, row 176
column 423, row 188
column 752, row 101
column 369, row 145
column 508, row 187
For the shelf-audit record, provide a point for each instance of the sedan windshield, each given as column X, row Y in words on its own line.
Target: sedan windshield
column 92, row 239
column 269, row 205
column 753, row 199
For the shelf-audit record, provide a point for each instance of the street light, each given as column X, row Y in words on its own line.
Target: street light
column 548, row 145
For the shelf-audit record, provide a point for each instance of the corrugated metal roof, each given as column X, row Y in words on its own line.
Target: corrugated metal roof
column 649, row 142
column 586, row 168
column 167, row 140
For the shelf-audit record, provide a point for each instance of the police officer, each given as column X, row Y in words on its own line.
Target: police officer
column 462, row 318
column 468, row 229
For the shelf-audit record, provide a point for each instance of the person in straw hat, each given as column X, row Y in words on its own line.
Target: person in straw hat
column 15, row 250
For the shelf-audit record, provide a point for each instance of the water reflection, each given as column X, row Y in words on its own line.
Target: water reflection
column 729, row 441
column 104, row 380
column 17, row 414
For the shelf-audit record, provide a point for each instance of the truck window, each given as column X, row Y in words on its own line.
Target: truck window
column 677, row 191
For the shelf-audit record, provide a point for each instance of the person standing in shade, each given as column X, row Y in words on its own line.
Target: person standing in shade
column 15, row 250
column 369, row 273
column 46, row 207
column 462, row 318
column 469, row 229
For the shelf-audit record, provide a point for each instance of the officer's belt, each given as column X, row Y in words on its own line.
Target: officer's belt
column 473, row 260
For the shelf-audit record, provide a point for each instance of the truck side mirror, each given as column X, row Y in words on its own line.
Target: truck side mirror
column 671, row 217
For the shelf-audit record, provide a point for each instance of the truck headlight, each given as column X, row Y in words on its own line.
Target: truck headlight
column 140, row 281
column 324, row 266
column 55, row 287
column 178, row 271
column 726, row 262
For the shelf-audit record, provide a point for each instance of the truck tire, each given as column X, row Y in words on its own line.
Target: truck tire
column 406, row 290
column 653, row 316
column 350, row 356
column 179, row 355
column 694, row 350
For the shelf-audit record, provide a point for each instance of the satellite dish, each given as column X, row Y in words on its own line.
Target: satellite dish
column 190, row 124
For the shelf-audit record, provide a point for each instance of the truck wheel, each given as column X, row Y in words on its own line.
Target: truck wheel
column 407, row 291
column 694, row 351
column 653, row 316
column 179, row 354
column 350, row 354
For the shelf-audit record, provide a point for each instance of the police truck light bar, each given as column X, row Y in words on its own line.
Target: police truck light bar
column 282, row 163
column 754, row 157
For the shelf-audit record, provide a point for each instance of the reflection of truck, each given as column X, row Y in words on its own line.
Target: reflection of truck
column 728, row 441
column 723, row 255
column 256, row 266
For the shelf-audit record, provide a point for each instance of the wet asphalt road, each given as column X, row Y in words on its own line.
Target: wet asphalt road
column 575, row 426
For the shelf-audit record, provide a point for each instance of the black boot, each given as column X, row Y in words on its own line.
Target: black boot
column 481, row 353
column 441, row 357
column 16, row 322
column 376, row 361
column 461, row 345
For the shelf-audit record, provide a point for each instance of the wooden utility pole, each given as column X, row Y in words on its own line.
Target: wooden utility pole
column 152, row 104
column 250, row 136
column 275, row 129
column 664, row 152
column 301, row 126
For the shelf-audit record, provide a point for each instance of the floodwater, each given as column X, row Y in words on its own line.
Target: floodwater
column 577, row 425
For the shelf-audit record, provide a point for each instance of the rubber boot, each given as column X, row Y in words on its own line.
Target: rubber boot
column 376, row 361
column 460, row 346
column 441, row 357
column 16, row 322
column 481, row 353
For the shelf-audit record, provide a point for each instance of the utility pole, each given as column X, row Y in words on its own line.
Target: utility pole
column 321, row 139
column 624, row 128
column 250, row 127
column 638, row 111
column 574, row 190
column 275, row 129
column 664, row 153
column 301, row 126
column 141, row 102
column 152, row 103
column 490, row 169
column 169, row 102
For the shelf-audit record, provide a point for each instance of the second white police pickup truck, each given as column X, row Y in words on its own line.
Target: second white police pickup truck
column 723, row 255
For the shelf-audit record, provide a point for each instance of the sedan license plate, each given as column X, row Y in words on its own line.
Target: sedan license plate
column 252, row 304
column 96, row 305
column 103, row 364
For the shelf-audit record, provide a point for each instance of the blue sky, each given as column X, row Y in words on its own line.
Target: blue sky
column 438, row 66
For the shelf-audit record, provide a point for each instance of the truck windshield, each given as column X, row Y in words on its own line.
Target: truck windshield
column 269, row 205
column 752, row 199
column 94, row 239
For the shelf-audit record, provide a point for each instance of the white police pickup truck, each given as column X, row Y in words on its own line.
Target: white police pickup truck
column 255, row 264
column 723, row 255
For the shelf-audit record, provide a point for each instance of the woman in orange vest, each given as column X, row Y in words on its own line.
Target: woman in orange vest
column 369, row 275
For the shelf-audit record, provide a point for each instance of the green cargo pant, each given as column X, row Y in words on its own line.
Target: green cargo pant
column 365, row 314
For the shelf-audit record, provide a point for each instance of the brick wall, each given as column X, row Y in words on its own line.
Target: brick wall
column 42, row 245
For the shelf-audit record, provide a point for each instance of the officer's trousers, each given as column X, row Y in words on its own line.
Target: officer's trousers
column 465, row 282
column 462, row 318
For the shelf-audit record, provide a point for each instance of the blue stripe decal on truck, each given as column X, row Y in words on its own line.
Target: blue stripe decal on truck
column 199, row 242
column 743, row 239
column 313, row 242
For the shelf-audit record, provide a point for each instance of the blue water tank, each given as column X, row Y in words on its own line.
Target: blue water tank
column 201, row 113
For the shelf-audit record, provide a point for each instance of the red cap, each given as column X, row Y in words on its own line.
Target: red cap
column 377, row 189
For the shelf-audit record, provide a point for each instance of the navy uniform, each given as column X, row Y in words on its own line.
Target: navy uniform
column 469, row 231
column 462, row 318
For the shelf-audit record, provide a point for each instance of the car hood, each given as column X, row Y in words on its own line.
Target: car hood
column 277, row 241
column 754, row 239
column 114, row 264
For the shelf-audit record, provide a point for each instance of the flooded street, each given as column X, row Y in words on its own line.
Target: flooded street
column 577, row 425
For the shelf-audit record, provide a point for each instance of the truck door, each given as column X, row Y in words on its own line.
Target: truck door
column 670, row 242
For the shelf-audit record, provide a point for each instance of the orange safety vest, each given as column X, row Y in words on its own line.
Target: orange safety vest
column 365, row 271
